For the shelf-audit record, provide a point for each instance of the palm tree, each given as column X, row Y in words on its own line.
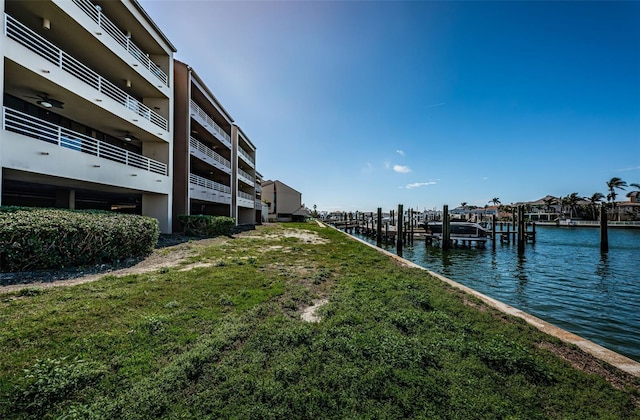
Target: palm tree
column 572, row 200
column 495, row 201
column 593, row 201
column 548, row 202
column 612, row 184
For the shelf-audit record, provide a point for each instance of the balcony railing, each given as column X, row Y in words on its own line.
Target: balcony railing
column 245, row 196
column 195, row 144
column 248, row 178
column 95, row 13
column 30, row 126
column 258, row 205
column 198, row 111
column 246, row 156
column 209, row 184
column 25, row 36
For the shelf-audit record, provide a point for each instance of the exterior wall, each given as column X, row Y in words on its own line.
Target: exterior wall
column 283, row 200
column 108, row 137
column 244, row 178
column 203, row 150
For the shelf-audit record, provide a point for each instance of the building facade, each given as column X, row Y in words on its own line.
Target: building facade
column 87, row 112
column 284, row 203
column 214, row 160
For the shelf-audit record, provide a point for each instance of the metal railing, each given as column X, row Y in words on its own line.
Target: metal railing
column 200, row 112
column 45, row 49
column 95, row 13
column 30, row 126
column 195, row 144
column 246, row 156
column 245, row 175
column 209, row 184
column 246, row 196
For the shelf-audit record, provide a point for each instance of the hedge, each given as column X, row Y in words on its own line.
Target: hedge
column 206, row 226
column 41, row 238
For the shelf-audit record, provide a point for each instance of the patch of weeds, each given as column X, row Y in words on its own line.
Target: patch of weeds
column 321, row 276
column 163, row 270
column 29, row 292
column 509, row 357
column 220, row 263
column 50, row 381
column 225, row 300
column 172, row 304
column 153, row 325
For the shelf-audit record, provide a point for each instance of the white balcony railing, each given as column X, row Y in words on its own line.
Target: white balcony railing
column 247, row 178
column 195, row 109
column 246, row 156
column 209, row 184
column 30, row 126
column 25, row 36
column 195, row 144
column 95, row 13
column 245, row 196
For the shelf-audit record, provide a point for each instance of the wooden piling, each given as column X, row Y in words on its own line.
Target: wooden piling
column 399, row 231
column 446, row 232
column 521, row 230
column 493, row 232
column 379, row 227
column 604, row 234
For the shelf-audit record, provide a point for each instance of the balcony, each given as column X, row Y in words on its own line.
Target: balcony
column 246, row 157
column 30, row 126
column 245, row 177
column 208, row 190
column 95, row 13
column 34, row 42
column 258, row 205
column 206, row 154
column 246, row 200
column 211, row 125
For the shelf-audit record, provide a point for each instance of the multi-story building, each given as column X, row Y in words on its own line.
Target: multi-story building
column 284, row 202
column 244, row 182
column 203, row 150
column 87, row 110
column 214, row 160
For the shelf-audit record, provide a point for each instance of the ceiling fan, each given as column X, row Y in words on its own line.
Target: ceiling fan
column 46, row 102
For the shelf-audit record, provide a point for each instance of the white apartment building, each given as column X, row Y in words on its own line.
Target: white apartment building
column 87, row 107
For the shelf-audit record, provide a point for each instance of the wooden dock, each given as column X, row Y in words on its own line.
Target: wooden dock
column 388, row 234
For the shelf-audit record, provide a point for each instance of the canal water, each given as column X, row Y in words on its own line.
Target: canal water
column 562, row 278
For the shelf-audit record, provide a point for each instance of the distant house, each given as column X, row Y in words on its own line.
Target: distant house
column 284, row 203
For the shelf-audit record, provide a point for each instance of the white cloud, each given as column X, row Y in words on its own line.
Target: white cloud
column 367, row 168
column 419, row 184
column 401, row 169
column 400, row 152
column 485, row 177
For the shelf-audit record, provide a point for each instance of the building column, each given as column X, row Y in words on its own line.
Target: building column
column 66, row 199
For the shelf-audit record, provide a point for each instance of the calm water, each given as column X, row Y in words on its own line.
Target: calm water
column 563, row 279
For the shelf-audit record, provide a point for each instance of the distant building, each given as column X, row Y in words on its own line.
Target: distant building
column 284, row 203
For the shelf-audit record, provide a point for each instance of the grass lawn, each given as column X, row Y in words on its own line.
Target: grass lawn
column 220, row 336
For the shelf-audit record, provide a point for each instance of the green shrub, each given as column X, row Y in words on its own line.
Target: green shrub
column 206, row 226
column 39, row 238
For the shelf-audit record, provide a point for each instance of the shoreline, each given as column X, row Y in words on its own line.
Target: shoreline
column 604, row 354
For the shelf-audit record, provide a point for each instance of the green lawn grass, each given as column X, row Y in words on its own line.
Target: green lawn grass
column 225, row 340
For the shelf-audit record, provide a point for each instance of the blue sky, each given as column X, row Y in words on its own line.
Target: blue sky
column 360, row 105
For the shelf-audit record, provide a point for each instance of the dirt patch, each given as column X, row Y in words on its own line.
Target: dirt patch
column 309, row 314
